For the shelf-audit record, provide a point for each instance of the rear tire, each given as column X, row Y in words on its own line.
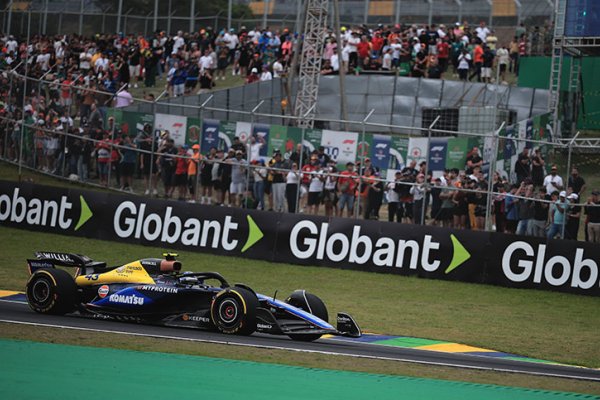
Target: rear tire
column 310, row 303
column 52, row 291
column 233, row 311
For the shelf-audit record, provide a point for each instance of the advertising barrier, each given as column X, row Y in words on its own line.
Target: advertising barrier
column 374, row 246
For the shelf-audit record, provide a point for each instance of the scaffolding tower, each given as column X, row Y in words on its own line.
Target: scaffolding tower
column 564, row 44
column 310, row 61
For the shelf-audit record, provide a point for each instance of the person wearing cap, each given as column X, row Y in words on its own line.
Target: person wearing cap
column 253, row 76
column 573, row 217
column 575, row 182
column 346, row 186
column 558, row 210
column 553, row 182
column 592, row 211
column 278, row 178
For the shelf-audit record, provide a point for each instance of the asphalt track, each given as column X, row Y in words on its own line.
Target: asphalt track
column 17, row 312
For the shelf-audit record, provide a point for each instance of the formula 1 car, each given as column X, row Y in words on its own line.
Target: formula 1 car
column 155, row 291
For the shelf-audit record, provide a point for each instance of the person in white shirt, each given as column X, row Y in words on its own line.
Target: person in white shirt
column 463, row 65
column 43, row 60
column 482, row 31
column 266, row 74
column 553, row 182
column 101, row 64
column 503, row 57
column 335, row 64
column 11, row 44
column 123, row 98
column 254, row 147
column 386, row 64
column 178, row 42
column 277, row 68
column 205, row 62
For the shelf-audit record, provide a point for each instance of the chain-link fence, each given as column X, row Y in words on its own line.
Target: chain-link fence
column 300, row 170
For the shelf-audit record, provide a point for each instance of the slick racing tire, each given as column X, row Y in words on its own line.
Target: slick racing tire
column 309, row 303
column 52, row 291
column 233, row 311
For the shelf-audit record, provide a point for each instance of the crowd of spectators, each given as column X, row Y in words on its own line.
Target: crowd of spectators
column 57, row 122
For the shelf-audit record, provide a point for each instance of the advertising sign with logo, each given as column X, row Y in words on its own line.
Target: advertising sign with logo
column 437, row 156
column 243, row 130
column 398, row 152
column 175, row 124
column 456, row 154
column 417, row 149
column 194, row 131
column 227, row 132
column 312, row 139
column 424, row 251
column 132, row 123
column 340, row 146
column 262, row 131
column 210, row 135
column 277, row 139
column 380, row 152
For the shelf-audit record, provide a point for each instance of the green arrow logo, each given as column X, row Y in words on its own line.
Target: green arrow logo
column 85, row 213
column 459, row 256
column 254, row 234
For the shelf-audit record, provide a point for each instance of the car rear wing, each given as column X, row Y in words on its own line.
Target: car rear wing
column 52, row 259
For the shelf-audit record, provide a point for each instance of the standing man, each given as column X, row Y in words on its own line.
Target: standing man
column 346, row 190
column 557, row 215
column 592, row 209
column 553, row 182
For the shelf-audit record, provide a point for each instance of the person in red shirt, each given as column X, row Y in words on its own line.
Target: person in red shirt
column 477, row 61
column 376, row 45
column 346, row 186
column 443, row 50
column 363, row 49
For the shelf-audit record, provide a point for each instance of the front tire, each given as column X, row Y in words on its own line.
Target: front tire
column 233, row 311
column 52, row 291
column 310, row 303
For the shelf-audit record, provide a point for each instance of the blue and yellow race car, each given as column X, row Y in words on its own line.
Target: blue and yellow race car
column 155, row 291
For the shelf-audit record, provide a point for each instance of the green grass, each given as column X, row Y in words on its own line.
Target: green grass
column 539, row 324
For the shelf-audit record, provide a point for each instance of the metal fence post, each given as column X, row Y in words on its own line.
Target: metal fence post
column 81, row 8
column 201, row 116
column 397, row 11
column 566, row 182
column 300, row 165
column 429, row 131
column 9, row 18
column 192, row 13
column 229, row 9
column 362, row 162
column 24, row 94
column 248, row 142
column 119, row 12
column 492, row 169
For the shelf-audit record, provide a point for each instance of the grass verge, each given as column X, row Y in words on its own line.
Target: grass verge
column 108, row 340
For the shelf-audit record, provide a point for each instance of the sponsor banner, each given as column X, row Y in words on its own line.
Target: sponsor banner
column 312, row 139
column 278, row 139
column 456, row 155
column 398, row 152
column 131, row 123
column 417, row 149
column 227, row 132
column 243, row 130
column 262, row 130
column 340, row 146
column 175, row 124
column 488, row 149
column 424, row 251
column 194, row 130
column 380, row 152
column 438, row 148
column 210, row 135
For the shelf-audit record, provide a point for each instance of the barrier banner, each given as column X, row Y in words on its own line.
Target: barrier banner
column 398, row 152
column 194, row 131
column 175, row 124
column 374, row 246
column 262, row 130
column 437, row 156
column 226, row 134
column 340, row 146
column 210, row 135
column 380, row 152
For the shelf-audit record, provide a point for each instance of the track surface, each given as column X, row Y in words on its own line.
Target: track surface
column 18, row 312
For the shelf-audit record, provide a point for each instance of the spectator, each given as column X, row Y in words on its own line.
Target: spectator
column 346, row 190
column 537, row 225
column 503, row 57
column 463, row 65
column 123, row 98
column 553, row 182
column 393, row 199
column 573, row 217
column 474, row 160
column 418, row 191
column 278, row 185
column 167, row 164
column 260, row 175
column 576, row 184
column 192, row 172
column 557, row 214
column 511, row 209
column 181, row 173
column 291, row 188
column 592, row 209
column 128, row 160
column 523, row 166
column 237, row 187
column 537, row 168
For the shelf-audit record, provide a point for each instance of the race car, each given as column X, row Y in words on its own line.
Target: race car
column 155, row 291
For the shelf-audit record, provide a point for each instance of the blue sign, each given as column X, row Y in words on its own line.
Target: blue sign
column 262, row 130
column 210, row 135
column 437, row 155
column 380, row 152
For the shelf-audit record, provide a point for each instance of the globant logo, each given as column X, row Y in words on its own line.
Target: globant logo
column 132, row 221
column 35, row 211
column 521, row 260
column 307, row 240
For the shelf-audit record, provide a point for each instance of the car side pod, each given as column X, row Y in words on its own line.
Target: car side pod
column 347, row 326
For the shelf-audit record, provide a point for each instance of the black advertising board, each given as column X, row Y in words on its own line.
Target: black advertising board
column 425, row 251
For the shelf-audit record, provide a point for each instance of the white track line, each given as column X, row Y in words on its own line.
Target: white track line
column 271, row 347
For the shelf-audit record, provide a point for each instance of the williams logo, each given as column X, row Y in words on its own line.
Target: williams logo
column 35, row 211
